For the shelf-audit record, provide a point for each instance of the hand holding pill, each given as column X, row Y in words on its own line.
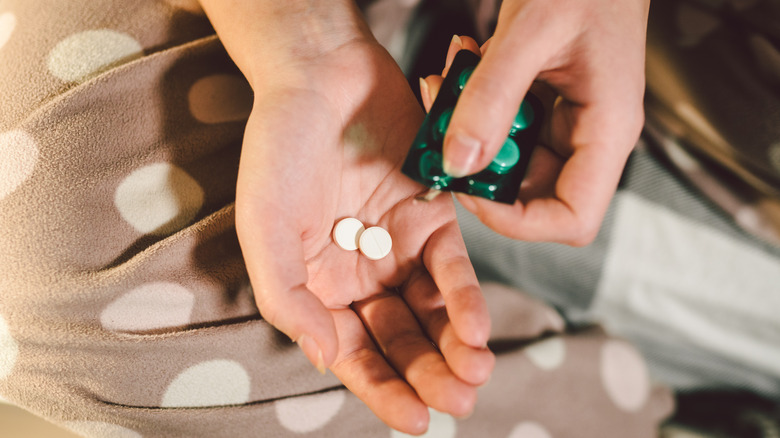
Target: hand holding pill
column 372, row 284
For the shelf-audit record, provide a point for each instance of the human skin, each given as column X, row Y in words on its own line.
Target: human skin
column 591, row 54
column 332, row 119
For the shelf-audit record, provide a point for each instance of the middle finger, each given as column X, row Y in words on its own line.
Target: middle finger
column 402, row 341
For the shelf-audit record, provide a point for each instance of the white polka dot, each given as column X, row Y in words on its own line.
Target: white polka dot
column 308, row 413
column 148, row 307
column 529, row 429
column 440, row 426
column 624, row 375
column 220, row 98
column 547, row 354
column 158, row 199
column 19, row 154
column 774, row 156
column 9, row 350
column 212, row 383
column 87, row 53
column 7, row 26
column 97, row 429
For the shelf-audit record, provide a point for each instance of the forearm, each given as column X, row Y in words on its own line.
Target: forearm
column 268, row 38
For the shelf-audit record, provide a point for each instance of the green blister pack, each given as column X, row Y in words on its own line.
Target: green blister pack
column 500, row 181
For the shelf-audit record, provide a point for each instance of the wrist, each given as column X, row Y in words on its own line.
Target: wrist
column 270, row 40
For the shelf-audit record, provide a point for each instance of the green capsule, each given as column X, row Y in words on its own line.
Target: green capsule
column 506, row 158
column 463, row 77
column 483, row 189
column 501, row 180
column 431, row 170
column 523, row 118
column 440, row 127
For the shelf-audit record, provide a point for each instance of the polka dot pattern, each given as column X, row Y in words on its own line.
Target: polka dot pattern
column 158, row 199
column 220, row 98
column 97, row 429
column 20, row 154
column 548, row 354
column 624, row 375
column 236, row 360
column 213, row 383
column 88, row 53
column 9, row 350
column 440, row 426
column 149, row 307
column 7, row 26
column 529, row 429
column 306, row 414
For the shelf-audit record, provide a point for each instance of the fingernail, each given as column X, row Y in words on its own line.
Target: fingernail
column 456, row 41
column 312, row 352
column 462, row 153
column 424, row 91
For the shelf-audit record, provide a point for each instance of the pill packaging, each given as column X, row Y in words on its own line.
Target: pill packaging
column 500, row 181
column 375, row 242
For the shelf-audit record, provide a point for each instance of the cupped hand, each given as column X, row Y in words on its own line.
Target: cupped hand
column 591, row 55
column 325, row 142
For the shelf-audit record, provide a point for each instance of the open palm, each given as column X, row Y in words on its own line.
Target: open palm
column 404, row 332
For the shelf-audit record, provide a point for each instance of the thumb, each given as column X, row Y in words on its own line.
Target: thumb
column 488, row 105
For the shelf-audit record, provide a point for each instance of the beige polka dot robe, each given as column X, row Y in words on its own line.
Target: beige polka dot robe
column 125, row 308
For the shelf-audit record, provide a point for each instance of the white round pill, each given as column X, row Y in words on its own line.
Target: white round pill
column 375, row 243
column 347, row 233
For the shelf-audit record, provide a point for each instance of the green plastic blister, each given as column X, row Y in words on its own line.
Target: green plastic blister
column 500, row 181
